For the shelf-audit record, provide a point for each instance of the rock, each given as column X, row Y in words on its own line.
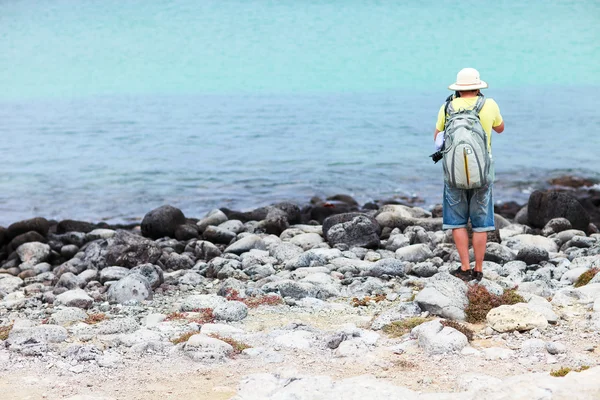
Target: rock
column 572, row 275
column 498, row 253
column 192, row 278
column 98, row 234
column 289, row 288
column 204, row 348
column 69, row 281
column 570, row 296
column 34, row 340
column 415, row 253
column 307, row 241
column 233, row 225
column 74, row 298
column 444, row 295
column 109, row 359
column 129, row 250
column 231, row 311
column 215, row 234
column 397, row 241
column 204, row 250
column 39, row 225
column 275, row 222
column 33, row 252
column 214, row 217
column 153, row 274
column 518, row 242
column 542, row 207
column 472, row 381
column 424, row 269
column 285, row 251
column 222, row 330
column 556, row 225
column 517, row 317
column 186, row 232
column 69, row 225
column 67, row 316
column 162, row 221
column 352, row 229
column 397, row 313
column 388, row 266
column 195, row 302
column 25, row 238
column 532, row 255
column 522, row 216
column 132, row 288
column 434, row 338
column 556, row 348
column 9, row 284
column 113, row 274
column 68, row 251
column 246, row 244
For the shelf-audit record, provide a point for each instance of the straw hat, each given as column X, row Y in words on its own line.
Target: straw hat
column 468, row 79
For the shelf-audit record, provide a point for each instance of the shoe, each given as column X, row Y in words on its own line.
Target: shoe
column 477, row 275
column 460, row 273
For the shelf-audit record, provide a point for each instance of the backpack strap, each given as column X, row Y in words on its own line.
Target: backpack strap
column 479, row 104
column 449, row 109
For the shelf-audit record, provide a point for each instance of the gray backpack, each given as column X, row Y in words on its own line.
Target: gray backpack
column 467, row 159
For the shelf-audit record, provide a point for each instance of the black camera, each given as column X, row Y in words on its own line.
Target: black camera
column 437, row 156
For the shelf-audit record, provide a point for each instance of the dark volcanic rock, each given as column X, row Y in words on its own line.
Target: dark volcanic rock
column 39, row 225
column 532, row 255
column 508, row 209
column 130, row 250
column 25, row 238
column 352, row 229
column 275, row 222
column 162, row 221
column 2, row 235
column 344, row 198
column 321, row 212
column 543, row 207
column 69, row 225
column 186, row 232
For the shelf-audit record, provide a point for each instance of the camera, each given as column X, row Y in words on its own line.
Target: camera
column 437, row 156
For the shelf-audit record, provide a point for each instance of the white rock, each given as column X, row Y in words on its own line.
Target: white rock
column 74, row 298
column 220, row 330
column 517, row 317
column 204, row 348
column 298, row 339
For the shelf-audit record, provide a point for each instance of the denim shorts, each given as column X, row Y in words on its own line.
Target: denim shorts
column 461, row 204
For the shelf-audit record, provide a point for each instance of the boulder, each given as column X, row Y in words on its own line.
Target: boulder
column 206, row 349
column 415, row 253
column 352, row 229
column 186, row 232
column 162, row 221
column 74, row 298
column 434, row 338
column 129, row 250
column 387, row 266
column 517, row 317
column 246, row 244
column 215, row 234
column 69, row 225
column 39, row 225
column 152, row 273
column 214, row 217
column 518, row 242
column 444, row 295
column 113, row 274
column 532, row 255
column 231, row 311
column 498, row 253
column 204, row 250
column 544, row 206
column 132, row 288
column 28, row 237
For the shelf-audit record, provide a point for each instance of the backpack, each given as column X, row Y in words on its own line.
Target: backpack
column 467, row 160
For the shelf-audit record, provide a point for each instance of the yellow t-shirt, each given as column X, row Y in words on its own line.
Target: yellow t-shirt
column 489, row 114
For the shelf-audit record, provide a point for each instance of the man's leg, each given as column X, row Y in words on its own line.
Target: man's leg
column 461, row 240
column 479, row 245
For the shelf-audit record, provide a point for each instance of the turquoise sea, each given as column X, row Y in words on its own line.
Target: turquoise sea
column 110, row 108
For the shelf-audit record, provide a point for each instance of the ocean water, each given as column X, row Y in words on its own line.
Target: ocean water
column 109, row 109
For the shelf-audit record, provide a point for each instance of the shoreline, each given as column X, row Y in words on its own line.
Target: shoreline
column 301, row 300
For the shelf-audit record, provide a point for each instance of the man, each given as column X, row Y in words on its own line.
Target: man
column 461, row 204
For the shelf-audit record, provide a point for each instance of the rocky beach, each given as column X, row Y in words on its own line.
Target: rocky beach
column 330, row 300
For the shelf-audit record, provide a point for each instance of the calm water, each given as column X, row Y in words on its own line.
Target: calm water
column 109, row 109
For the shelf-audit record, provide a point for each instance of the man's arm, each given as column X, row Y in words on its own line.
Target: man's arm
column 438, row 131
column 499, row 128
